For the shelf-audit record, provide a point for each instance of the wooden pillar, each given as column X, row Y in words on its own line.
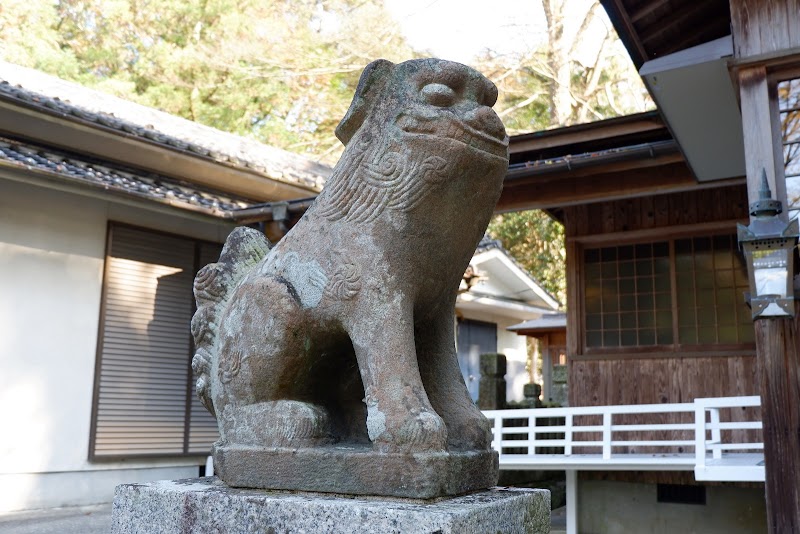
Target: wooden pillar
column 547, row 367
column 759, row 135
column 776, row 338
column 778, row 362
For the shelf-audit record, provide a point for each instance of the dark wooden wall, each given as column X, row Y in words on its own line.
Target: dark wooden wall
column 660, row 380
column 622, row 379
column 662, row 211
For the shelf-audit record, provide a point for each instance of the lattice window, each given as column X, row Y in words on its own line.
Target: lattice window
column 672, row 294
column 789, row 109
column 628, row 296
column 710, row 282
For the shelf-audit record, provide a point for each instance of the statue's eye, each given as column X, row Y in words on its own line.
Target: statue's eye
column 439, row 95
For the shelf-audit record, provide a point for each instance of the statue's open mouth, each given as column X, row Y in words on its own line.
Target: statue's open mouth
column 455, row 130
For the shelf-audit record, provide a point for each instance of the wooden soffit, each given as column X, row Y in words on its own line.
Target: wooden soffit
column 654, row 28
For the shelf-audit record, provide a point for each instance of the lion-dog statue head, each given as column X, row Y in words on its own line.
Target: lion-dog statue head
column 332, row 354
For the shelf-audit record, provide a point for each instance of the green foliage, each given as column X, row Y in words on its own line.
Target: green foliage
column 537, row 241
column 284, row 71
column 245, row 66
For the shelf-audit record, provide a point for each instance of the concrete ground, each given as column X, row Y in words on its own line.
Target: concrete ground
column 558, row 521
column 97, row 520
column 75, row 520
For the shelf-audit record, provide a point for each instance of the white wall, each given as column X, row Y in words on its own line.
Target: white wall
column 516, row 350
column 52, row 246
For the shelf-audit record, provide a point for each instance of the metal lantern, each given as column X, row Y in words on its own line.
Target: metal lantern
column 768, row 244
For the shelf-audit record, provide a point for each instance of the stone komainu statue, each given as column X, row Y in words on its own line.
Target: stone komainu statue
column 329, row 359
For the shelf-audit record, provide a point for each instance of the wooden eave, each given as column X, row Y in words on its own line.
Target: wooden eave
column 655, row 28
column 541, row 332
column 619, row 158
column 588, row 137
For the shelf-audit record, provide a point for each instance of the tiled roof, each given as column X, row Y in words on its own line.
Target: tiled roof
column 79, row 170
column 557, row 321
column 487, row 243
column 28, row 87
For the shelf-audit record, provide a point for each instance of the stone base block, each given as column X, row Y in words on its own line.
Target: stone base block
column 206, row 505
column 357, row 471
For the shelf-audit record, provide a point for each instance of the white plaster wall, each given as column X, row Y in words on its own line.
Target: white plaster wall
column 516, row 351
column 52, row 246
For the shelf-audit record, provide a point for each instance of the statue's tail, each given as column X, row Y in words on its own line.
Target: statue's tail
column 213, row 287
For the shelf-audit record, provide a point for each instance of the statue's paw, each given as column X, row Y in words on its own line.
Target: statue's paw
column 421, row 432
column 425, row 431
column 281, row 423
column 474, row 433
column 300, row 421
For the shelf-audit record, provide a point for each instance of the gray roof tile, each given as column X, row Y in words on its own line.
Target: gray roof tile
column 81, row 170
column 71, row 101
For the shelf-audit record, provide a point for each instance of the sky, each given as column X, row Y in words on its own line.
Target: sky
column 460, row 29
column 450, row 29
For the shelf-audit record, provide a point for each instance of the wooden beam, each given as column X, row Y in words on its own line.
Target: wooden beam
column 646, row 9
column 759, row 136
column 675, row 21
column 716, row 26
column 557, row 191
column 626, row 30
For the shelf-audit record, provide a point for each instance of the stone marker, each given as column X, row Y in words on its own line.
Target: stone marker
column 329, row 358
column 492, row 388
column 205, row 505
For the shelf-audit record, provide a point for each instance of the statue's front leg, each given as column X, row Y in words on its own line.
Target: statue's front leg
column 399, row 415
column 467, row 427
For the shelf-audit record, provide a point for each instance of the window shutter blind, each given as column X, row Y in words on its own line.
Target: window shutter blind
column 143, row 372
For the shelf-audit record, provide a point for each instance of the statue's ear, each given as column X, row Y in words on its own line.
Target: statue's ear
column 369, row 87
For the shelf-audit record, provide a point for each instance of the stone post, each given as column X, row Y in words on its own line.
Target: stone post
column 532, row 393
column 492, row 389
column 560, row 389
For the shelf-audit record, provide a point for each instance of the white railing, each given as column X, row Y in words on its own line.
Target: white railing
column 667, row 437
column 711, row 462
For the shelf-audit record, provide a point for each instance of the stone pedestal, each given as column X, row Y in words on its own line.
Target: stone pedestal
column 205, row 505
column 357, row 470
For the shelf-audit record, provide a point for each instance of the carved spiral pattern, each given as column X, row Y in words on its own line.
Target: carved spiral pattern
column 346, row 282
column 388, row 164
column 208, row 285
column 229, row 366
column 204, row 326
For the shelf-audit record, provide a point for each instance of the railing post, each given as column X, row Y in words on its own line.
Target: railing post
column 716, row 433
column 568, row 435
column 607, row 436
column 572, row 502
column 699, row 437
column 532, row 441
column 497, row 434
